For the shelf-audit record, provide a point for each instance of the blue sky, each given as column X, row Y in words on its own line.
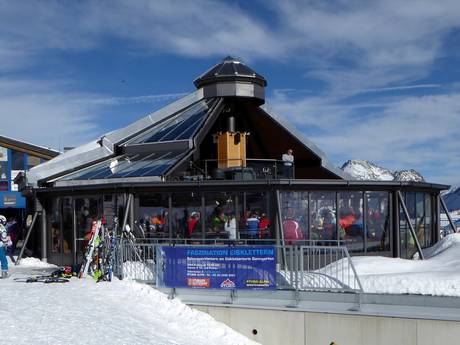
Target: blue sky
column 373, row 80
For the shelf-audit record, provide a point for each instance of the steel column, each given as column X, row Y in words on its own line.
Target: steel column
column 280, row 221
column 125, row 215
column 29, row 231
column 444, row 207
column 411, row 228
column 396, row 231
column 44, row 236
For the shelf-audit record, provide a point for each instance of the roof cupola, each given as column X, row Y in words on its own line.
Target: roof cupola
column 232, row 78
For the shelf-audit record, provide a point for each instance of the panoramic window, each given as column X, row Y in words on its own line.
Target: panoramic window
column 351, row 225
column 323, row 216
column 186, row 216
column 294, row 210
column 153, row 214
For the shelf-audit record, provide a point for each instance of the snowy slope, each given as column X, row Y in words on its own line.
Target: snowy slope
column 83, row 312
column 438, row 274
column 365, row 170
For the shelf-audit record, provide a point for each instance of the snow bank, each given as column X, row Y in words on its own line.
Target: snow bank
column 34, row 262
column 85, row 312
column 438, row 275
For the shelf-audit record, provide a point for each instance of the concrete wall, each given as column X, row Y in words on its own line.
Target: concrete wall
column 306, row 328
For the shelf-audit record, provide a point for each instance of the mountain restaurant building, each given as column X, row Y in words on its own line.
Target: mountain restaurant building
column 207, row 169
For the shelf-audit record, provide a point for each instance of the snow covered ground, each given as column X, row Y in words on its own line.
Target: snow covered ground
column 126, row 312
column 83, row 312
column 438, row 274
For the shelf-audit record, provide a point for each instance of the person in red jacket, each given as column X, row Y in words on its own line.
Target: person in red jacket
column 192, row 223
column 264, row 224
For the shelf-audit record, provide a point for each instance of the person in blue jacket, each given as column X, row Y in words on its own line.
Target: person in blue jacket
column 4, row 243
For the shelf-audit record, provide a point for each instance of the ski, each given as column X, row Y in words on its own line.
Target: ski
column 93, row 243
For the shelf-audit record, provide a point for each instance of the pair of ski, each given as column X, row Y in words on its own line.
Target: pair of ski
column 47, row 279
column 90, row 249
column 62, row 275
column 100, row 252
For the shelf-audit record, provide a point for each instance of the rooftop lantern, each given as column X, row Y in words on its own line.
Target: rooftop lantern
column 232, row 78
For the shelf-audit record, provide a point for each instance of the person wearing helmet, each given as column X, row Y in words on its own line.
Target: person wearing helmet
column 4, row 243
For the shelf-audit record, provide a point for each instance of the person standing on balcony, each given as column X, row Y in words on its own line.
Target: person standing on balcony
column 288, row 164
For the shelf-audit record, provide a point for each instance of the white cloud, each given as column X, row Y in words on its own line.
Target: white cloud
column 37, row 112
column 413, row 132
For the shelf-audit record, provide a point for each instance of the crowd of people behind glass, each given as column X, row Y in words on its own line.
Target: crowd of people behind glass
column 218, row 224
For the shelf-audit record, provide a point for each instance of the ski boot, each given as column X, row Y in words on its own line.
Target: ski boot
column 5, row 275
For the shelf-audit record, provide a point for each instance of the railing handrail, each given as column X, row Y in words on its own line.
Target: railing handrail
column 318, row 275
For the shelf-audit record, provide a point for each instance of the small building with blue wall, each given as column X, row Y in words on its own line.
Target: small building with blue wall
column 15, row 157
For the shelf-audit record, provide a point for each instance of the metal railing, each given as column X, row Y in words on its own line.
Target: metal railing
column 302, row 268
column 319, row 268
column 239, row 169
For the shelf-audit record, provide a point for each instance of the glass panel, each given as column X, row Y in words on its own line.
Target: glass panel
column 17, row 160
column 428, row 217
column 420, row 215
column 4, row 186
column 3, row 170
column 351, row 226
column 408, row 248
column 3, row 164
column 113, row 207
column 87, row 210
column 186, row 215
column 180, row 126
column 154, row 164
column 322, row 216
column 54, row 223
column 221, row 215
column 256, row 216
column 153, row 214
column 378, row 223
column 294, row 211
column 67, row 225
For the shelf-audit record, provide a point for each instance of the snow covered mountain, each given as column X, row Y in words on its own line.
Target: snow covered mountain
column 452, row 198
column 365, row 170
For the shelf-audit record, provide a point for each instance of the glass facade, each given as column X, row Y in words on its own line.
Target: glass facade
column 362, row 220
column 178, row 127
column 154, row 164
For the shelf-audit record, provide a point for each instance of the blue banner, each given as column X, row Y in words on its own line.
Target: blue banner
column 218, row 267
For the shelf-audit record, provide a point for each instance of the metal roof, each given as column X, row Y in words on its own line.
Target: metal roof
column 23, row 146
column 230, row 69
column 105, row 147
